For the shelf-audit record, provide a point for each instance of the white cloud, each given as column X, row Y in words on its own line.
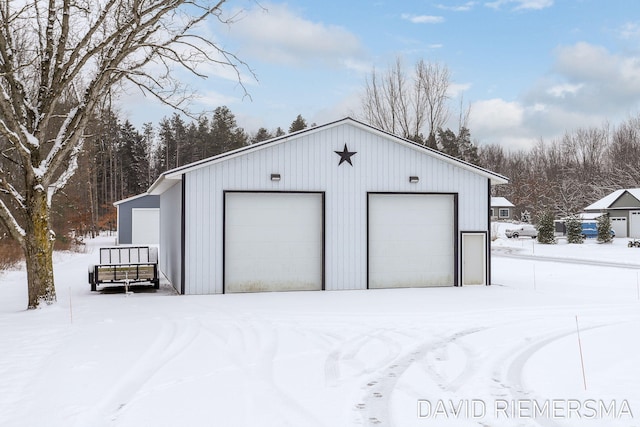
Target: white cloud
column 521, row 4
column 608, row 82
column 461, row 8
column 630, row 31
column 278, row 35
column 562, row 90
column 496, row 114
column 457, row 89
column 422, row 19
column 587, row 86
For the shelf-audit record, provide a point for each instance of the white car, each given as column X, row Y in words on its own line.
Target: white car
column 522, row 231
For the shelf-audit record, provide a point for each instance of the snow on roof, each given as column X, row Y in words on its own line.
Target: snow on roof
column 501, row 202
column 610, row 199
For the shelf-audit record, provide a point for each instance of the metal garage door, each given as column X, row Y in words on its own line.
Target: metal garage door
column 145, row 226
column 411, row 240
column 273, row 242
column 619, row 225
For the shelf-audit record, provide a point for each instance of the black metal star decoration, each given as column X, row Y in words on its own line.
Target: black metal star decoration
column 345, row 155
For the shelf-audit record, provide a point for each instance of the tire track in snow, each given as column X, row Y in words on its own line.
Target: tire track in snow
column 510, row 381
column 374, row 409
column 355, row 345
column 256, row 359
column 174, row 337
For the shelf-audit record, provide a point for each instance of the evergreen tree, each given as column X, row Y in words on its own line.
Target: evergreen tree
column 165, row 151
column 298, row 124
column 134, row 161
column 148, row 136
column 225, row 132
column 574, row 229
column 203, row 140
column 545, row 227
column 279, row 132
column 261, row 135
column 448, row 143
column 179, row 130
column 604, row 229
column 468, row 150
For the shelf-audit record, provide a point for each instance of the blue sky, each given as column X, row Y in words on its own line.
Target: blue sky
column 529, row 69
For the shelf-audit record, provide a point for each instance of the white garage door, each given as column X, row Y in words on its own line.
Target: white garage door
column 634, row 224
column 619, row 225
column 273, row 242
column 145, row 226
column 411, row 240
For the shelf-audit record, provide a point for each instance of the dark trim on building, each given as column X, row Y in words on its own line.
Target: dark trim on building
column 456, row 244
column 183, row 235
column 489, row 231
column 224, row 228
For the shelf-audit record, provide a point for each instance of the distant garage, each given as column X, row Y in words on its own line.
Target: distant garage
column 139, row 220
column 342, row 206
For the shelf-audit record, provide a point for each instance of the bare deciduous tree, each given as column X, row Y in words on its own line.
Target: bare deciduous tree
column 405, row 106
column 58, row 59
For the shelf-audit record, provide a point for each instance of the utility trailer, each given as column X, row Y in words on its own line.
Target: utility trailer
column 125, row 265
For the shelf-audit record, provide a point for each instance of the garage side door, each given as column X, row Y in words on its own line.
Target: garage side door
column 273, row 242
column 411, row 240
column 145, row 226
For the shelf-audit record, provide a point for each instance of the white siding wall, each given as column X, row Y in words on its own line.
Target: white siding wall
column 169, row 259
column 308, row 163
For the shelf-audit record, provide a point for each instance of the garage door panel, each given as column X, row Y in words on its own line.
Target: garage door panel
column 273, row 242
column 145, row 226
column 411, row 240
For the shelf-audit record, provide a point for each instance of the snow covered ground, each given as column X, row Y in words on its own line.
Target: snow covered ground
column 470, row 356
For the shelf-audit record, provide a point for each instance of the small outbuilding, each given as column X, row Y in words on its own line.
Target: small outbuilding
column 501, row 208
column 623, row 208
column 139, row 220
column 333, row 207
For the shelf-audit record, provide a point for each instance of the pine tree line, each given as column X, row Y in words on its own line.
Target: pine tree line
column 120, row 161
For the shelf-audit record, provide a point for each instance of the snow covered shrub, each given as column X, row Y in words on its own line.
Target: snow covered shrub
column 604, row 229
column 545, row 228
column 574, row 229
column 525, row 217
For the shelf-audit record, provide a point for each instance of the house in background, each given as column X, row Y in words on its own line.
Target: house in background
column 339, row 206
column 501, row 208
column 139, row 220
column 623, row 207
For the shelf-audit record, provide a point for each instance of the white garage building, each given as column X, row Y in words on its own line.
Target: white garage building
column 338, row 206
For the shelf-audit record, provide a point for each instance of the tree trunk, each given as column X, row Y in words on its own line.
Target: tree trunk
column 38, row 250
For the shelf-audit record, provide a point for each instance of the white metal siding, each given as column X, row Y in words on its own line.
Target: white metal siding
column 169, row 261
column 308, row 163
